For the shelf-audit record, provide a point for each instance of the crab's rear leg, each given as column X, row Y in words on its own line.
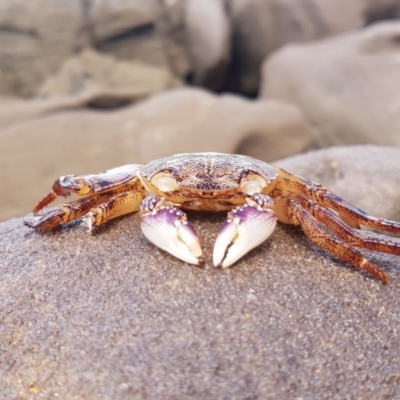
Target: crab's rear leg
column 352, row 215
column 318, row 234
column 356, row 217
column 351, row 236
column 87, row 185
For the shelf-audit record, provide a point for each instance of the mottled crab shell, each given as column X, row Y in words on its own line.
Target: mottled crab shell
column 209, row 171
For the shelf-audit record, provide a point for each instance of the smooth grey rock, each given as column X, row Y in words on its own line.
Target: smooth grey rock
column 209, row 37
column 91, row 70
column 260, row 27
column 345, row 85
column 36, row 37
column 109, row 316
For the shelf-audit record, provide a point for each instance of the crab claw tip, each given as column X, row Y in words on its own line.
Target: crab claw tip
column 246, row 228
column 225, row 238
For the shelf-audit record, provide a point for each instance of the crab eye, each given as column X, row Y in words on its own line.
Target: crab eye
column 251, row 187
column 253, row 184
column 166, row 184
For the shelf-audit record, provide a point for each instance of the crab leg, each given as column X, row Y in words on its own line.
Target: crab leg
column 317, row 233
column 351, row 236
column 356, row 217
column 352, row 215
column 96, row 210
column 89, row 184
column 121, row 204
column 64, row 213
column 246, row 227
column 167, row 227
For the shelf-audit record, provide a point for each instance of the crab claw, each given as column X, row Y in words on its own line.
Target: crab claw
column 247, row 227
column 168, row 228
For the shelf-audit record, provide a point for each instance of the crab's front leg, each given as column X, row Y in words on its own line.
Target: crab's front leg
column 166, row 226
column 246, row 227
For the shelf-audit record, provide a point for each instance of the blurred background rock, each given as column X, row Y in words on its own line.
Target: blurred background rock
column 86, row 85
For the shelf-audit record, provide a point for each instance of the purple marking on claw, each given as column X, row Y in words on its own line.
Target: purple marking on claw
column 246, row 228
column 247, row 212
column 151, row 202
column 169, row 229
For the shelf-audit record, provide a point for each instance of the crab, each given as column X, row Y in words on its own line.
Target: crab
column 255, row 194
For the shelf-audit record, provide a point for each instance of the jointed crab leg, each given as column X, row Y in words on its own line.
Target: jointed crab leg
column 350, row 235
column 356, row 217
column 96, row 209
column 352, row 215
column 90, row 184
column 114, row 192
column 121, row 204
column 317, row 233
column 64, row 213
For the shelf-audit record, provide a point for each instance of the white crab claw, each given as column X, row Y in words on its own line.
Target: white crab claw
column 246, row 228
column 169, row 229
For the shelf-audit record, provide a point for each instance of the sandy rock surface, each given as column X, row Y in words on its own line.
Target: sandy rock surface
column 110, row 316
column 43, row 140
column 347, row 86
